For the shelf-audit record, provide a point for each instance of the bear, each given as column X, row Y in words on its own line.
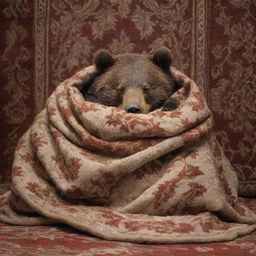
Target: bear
column 136, row 83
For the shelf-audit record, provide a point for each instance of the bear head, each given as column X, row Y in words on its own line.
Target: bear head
column 137, row 83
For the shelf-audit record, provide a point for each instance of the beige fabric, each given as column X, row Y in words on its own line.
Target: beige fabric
column 158, row 177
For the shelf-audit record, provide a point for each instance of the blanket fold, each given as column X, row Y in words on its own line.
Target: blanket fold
column 159, row 177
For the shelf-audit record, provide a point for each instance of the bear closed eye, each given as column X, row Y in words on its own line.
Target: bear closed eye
column 136, row 83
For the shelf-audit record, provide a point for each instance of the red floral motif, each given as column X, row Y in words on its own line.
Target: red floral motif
column 153, row 130
column 195, row 133
column 87, row 107
column 27, row 158
column 192, row 153
column 75, row 164
column 38, row 190
column 166, row 190
column 174, row 114
column 192, row 171
column 136, row 121
column 61, row 94
column 230, row 196
column 206, row 225
column 17, row 171
column 114, row 119
column 129, row 123
column 62, row 167
column 196, row 190
column 105, row 180
column 171, row 114
column 56, row 134
column 186, row 208
column 199, row 104
column 155, row 226
column 158, row 113
column 115, row 220
column 38, row 140
column 51, row 111
column 211, row 223
column 183, row 228
column 32, row 186
column 67, row 112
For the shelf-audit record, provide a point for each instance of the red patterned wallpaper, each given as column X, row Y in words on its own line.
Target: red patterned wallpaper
column 214, row 42
column 17, row 77
column 232, row 84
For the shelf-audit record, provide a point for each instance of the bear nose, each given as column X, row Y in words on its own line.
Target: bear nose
column 133, row 108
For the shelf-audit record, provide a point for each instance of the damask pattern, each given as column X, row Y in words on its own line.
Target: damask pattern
column 233, row 85
column 66, row 34
column 16, row 78
column 78, row 29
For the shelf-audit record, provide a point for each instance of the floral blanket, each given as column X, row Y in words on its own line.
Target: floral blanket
column 159, row 177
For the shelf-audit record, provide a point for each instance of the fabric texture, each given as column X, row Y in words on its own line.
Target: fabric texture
column 158, row 177
column 213, row 42
column 62, row 240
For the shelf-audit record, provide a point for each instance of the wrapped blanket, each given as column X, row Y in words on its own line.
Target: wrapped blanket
column 157, row 177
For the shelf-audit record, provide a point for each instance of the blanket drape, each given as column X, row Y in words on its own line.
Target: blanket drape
column 159, row 177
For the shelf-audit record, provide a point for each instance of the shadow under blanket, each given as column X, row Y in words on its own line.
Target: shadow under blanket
column 157, row 178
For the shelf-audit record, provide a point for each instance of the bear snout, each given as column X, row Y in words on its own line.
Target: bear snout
column 133, row 101
column 133, row 108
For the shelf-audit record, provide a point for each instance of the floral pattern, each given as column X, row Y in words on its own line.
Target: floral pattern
column 212, row 41
column 68, row 167
column 55, row 241
column 233, row 90
column 16, row 57
column 66, row 35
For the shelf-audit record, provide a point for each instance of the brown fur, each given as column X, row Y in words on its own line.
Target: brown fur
column 132, row 79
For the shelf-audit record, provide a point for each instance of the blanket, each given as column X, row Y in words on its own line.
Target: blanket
column 159, row 177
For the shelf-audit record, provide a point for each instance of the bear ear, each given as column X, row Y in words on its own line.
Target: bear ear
column 103, row 60
column 163, row 59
